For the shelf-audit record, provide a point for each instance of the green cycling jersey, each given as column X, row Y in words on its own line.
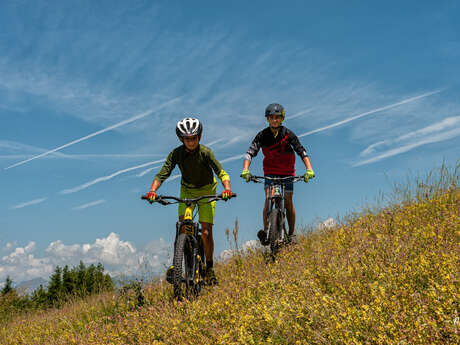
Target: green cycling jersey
column 196, row 167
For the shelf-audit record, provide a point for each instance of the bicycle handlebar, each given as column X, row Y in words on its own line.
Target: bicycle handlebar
column 294, row 179
column 163, row 199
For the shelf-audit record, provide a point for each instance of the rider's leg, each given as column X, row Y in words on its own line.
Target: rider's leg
column 265, row 211
column 208, row 241
column 208, row 244
column 206, row 218
column 262, row 235
column 290, row 211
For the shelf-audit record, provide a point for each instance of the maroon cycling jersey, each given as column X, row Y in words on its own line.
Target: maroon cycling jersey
column 279, row 157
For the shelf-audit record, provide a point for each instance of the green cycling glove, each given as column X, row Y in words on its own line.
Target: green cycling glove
column 246, row 175
column 308, row 175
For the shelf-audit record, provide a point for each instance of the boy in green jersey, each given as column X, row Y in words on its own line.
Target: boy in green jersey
column 197, row 164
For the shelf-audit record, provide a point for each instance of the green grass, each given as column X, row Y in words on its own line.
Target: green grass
column 387, row 277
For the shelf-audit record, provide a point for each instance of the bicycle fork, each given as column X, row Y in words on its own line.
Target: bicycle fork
column 276, row 201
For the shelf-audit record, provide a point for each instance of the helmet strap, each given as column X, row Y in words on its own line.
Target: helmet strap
column 273, row 129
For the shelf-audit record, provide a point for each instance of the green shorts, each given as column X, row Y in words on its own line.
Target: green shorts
column 205, row 209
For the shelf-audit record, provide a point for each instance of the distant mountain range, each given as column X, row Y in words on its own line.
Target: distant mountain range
column 29, row 286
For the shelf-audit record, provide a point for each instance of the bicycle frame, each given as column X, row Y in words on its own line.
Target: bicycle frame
column 192, row 229
column 276, row 199
column 187, row 238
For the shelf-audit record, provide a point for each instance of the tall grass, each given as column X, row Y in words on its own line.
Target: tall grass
column 388, row 277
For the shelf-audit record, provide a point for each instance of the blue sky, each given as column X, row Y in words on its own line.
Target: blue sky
column 371, row 89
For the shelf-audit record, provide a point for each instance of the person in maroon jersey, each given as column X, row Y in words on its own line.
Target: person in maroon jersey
column 278, row 145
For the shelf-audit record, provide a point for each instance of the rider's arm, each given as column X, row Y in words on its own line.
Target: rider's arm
column 155, row 186
column 306, row 161
column 166, row 170
column 252, row 151
column 246, row 164
column 217, row 168
column 226, row 185
column 253, row 148
column 299, row 149
column 297, row 146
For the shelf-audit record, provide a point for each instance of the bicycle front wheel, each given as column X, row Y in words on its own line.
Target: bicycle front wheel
column 183, row 267
column 274, row 229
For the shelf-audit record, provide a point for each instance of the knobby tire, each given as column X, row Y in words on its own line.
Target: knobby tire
column 183, row 265
column 274, row 230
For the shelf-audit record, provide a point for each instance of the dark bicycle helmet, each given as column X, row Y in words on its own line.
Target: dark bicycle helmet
column 189, row 127
column 275, row 109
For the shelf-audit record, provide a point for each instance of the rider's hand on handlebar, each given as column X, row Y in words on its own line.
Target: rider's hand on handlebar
column 151, row 196
column 246, row 175
column 308, row 175
column 227, row 194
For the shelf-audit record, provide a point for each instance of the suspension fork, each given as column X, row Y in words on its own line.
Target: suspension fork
column 281, row 204
column 194, row 256
column 283, row 211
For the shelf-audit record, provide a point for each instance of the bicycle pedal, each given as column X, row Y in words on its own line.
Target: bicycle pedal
column 170, row 275
column 262, row 235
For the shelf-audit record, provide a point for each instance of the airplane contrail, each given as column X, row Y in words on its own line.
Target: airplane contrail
column 296, row 115
column 368, row 113
column 395, row 151
column 28, row 203
column 437, row 132
column 106, row 178
column 233, row 158
column 90, row 204
column 119, row 124
column 119, row 172
column 146, row 171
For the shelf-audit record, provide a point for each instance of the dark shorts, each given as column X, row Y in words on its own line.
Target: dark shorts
column 288, row 185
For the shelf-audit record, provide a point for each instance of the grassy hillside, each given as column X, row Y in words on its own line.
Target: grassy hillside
column 385, row 278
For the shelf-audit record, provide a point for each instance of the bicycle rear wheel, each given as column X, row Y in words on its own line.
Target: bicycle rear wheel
column 274, row 229
column 183, row 267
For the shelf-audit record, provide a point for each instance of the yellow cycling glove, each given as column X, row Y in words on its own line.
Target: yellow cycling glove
column 245, row 175
column 308, row 175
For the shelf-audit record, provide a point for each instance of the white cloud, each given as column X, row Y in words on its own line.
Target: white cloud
column 244, row 248
column 327, row 224
column 226, row 254
column 117, row 256
column 21, row 264
column 8, row 246
column 110, row 250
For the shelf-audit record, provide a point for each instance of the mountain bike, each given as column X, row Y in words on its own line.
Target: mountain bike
column 189, row 260
column 277, row 235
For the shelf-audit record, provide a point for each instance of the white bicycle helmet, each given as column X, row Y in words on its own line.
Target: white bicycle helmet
column 189, row 127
